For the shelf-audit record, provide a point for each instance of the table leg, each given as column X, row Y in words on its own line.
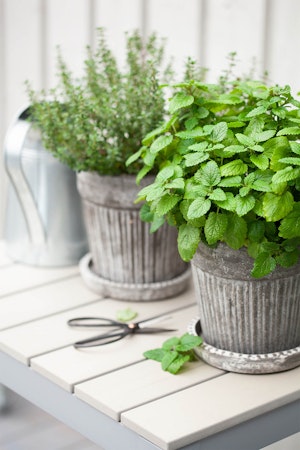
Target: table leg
column 3, row 398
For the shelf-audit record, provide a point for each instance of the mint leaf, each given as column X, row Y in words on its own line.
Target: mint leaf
column 149, row 158
column 295, row 146
column 142, row 173
column 290, row 225
column 188, row 342
column 236, row 124
column 288, row 259
column 289, row 245
column 156, row 354
column 264, row 135
column 191, row 123
column 289, row 131
column 229, row 204
column 202, row 112
column 244, row 191
column 126, row 315
column 260, row 161
column 247, row 141
column 217, row 194
column 193, row 159
column 165, row 204
column 177, row 183
column 257, row 148
column 180, row 101
column 160, row 143
column 175, row 352
column 244, row 204
column 152, row 134
column 190, row 134
column 276, row 207
column 171, row 343
column 257, row 111
column 198, row 208
column 290, row 160
column 193, row 191
column 165, row 173
column 230, row 181
column 235, row 167
column 134, row 157
column 255, row 126
column 153, row 191
column 146, row 215
column 188, row 241
column 263, row 265
column 236, row 232
column 168, row 358
column 176, row 364
column 199, row 147
column 287, row 174
column 233, row 149
column 156, row 223
column 219, row 132
column 210, row 174
column 215, row 227
column 256, row 231
column 280, row 112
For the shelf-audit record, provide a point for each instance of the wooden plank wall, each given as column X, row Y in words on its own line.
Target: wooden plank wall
column 265, row 30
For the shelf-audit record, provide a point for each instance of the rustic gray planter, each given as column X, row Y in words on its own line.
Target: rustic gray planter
column 243, row 315
column 126, row 261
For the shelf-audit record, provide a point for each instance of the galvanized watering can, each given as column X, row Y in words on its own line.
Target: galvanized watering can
column 43, row 223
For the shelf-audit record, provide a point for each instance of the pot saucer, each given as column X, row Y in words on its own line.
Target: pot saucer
column 132, row 291
column 244, row 363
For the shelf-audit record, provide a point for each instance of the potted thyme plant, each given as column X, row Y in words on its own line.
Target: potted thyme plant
column 94, row 124
column 228, row 179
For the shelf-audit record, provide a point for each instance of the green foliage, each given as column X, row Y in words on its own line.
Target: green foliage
column 126, row 315
column 175, row 352
column 229, row 169
column 97, row 122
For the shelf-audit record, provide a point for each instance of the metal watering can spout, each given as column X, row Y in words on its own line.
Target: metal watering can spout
column 43, row 223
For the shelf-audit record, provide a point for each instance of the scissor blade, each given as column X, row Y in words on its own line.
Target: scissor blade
column 151, row 330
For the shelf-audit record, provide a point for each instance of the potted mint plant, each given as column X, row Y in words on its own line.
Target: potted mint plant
column 228, row 179
column 94, row 124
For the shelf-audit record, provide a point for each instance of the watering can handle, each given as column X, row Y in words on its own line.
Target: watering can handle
column 13, row 146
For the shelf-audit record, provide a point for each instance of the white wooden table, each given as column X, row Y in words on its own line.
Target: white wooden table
column 111, row 394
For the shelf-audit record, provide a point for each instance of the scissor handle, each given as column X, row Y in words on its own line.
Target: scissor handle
column 102, row 339
column 94, row 322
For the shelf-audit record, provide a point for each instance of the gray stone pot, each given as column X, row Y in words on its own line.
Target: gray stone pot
column 126, row 261
column 244, row 315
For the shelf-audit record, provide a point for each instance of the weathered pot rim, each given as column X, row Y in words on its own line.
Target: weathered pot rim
column 115, row 191
column 226, row 262
column 249, row 363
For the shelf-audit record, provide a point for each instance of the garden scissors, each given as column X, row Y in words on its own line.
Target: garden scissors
column 119, row 330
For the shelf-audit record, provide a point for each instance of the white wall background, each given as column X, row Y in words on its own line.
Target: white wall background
column 265, row 30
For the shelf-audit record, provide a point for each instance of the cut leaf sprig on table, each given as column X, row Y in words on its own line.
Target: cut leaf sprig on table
column 126, row 315
column 175, row 352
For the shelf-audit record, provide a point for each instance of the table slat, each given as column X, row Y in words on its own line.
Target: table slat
column 44, row 301
column 211, row 407
column 18, row 277
column 140, row 383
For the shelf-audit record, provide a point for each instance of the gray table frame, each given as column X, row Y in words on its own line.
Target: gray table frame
column 111, row 435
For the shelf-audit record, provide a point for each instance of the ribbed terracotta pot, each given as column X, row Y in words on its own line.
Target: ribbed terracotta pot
column 125, row 260
column 244, row 315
